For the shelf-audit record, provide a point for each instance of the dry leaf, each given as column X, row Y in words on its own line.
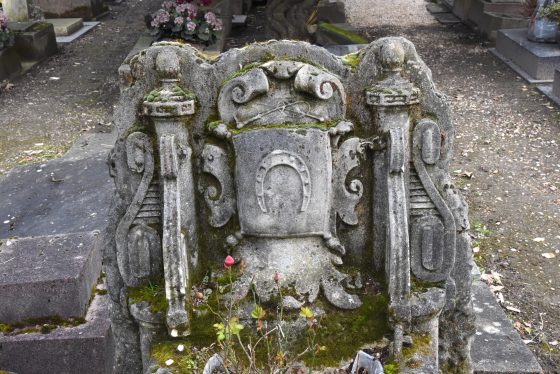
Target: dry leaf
column 538, row 240
column 548, row 255
column 513, row 309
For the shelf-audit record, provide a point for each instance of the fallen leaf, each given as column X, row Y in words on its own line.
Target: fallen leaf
column 554, row 342
column 548, row 255
column 527, row 341
column 513, row 309
column 496, row 288
column 538, row 240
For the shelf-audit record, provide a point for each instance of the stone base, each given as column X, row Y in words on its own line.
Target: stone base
column 34, row 41
column 65, row 26
column 461, row 8
column 446, row 18
column 331, row 11
column 84, row 349
column 48, row 276
column 497, row 348
column 86, row 9
column 537, row 60
column 10, row 63
column 490, row 23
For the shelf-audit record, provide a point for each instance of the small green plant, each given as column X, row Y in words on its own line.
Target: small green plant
column 551, row 12
column 480, row 230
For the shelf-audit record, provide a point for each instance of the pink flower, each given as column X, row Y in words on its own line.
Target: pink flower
column 179, row 20
column 168, row 4
column 214, row 22
column 3, row 20
column 276, row 277
column 181, row 8
column 228, row 262
column 191, row 26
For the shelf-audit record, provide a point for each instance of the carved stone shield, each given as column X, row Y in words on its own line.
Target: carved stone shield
column 283, row 179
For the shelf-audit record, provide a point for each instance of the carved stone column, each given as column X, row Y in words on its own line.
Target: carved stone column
column 390, row 100
column 169, row 107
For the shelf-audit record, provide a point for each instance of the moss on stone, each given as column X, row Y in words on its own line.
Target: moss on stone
column 344, row 332
column 152, row 293
column 42, row 325
column 349, row 35
column 352, row 60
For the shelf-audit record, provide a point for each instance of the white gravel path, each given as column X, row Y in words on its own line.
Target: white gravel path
column 371, row 13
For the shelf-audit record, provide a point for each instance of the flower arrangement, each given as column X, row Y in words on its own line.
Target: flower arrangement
column 190, row 20
column 6, row 36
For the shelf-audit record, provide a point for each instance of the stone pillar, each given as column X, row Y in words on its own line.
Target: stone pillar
column 169, row 107
column 390, row 100
column 16, row 10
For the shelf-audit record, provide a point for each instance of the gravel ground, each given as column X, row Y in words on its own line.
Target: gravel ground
column 72, row 92
column 507, row 162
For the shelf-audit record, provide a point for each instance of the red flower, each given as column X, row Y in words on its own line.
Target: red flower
column 228, row 262
column 276, row 277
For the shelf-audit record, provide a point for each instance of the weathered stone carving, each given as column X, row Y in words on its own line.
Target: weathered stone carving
column 302, row 163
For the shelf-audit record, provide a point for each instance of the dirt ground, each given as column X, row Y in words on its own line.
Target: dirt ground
column 72, row 92
column 507, row 155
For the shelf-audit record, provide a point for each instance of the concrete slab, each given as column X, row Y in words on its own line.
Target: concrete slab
column 86, row 9
column 447, row 18
column 436, row 8
column 491, row 22
column 84, row 349
column 537, row 60
column 48, row 276
column 497, row 348
column 87, row 26
column 65, row 26
column 65, row 195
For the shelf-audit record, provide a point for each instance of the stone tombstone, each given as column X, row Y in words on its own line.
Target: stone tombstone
column 296, row 161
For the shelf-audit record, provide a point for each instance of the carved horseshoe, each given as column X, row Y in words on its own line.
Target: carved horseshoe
column 276, row 158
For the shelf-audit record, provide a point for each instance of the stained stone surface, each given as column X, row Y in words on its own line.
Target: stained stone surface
column 497, row 347
column 87, row 348
column 43, row 199
column 48, row 275
column 537, row 60
column 294, row 160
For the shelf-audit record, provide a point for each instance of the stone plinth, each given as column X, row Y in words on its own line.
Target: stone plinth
column 48, row 276
column 85, row 349
column 34, row 41
column 534, row 61
column 497, row 348
column 10, row 63
column 86, row 9
column 65, row 26
column 461, row 8
column 491, row 22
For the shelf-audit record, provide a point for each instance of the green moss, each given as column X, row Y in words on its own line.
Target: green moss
column 352, row 60
column 152, row 293
column 183, row 362
column 390, row 368
column 349, row 35
column 242, row 71
column 421, row 346
column 40, row 325
column 343, row 333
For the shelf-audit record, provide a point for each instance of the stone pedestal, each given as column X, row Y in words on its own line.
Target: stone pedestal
column 34, row 41
column 10, row 63
column 86, row 9
column 461, row 8
column 533, row 61
column 65, row 26
column 16, row 10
